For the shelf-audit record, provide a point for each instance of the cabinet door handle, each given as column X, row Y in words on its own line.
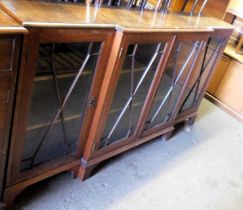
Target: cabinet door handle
column 92, row 102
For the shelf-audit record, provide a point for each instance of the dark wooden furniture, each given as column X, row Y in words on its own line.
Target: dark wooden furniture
column 10, row 39
column 95, row 82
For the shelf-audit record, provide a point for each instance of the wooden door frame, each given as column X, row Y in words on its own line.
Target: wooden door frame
column 24, row 93
column 4, row 143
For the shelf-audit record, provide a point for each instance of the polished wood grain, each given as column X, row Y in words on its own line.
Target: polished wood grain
column 9, row 26
column 44, row 14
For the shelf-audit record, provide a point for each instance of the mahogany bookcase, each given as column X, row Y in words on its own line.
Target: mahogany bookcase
column 95, row 82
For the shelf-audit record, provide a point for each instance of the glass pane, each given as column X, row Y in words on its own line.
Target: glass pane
column 62, row 82
column 201, row 74
column 180, row 62
column 136, row 75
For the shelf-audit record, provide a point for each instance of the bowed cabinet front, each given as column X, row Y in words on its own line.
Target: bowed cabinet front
column 142, row 92
column 59, row 83
column 87, row 95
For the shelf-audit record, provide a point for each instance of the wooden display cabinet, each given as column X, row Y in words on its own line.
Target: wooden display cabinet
column 94, row 83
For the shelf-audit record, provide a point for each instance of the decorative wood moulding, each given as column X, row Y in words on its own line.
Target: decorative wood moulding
column 9, row 25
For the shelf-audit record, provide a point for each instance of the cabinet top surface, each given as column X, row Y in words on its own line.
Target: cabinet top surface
column 9, row 25
column 46, row 14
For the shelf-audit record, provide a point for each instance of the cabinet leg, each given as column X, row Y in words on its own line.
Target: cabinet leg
column 168, row 135
column 9, row 197
column 192, row 120
column 85, row 172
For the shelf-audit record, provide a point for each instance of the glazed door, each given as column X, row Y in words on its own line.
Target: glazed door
column 140, row 61
column 57, row 95
column 196, row 88
column 165, row 102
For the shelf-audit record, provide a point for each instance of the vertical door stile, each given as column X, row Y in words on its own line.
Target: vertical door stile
column 24, row 89
column 106, row 93
column 94, row 93
column 154, row 86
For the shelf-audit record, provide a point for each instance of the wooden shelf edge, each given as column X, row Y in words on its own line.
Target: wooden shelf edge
column 13, row 30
